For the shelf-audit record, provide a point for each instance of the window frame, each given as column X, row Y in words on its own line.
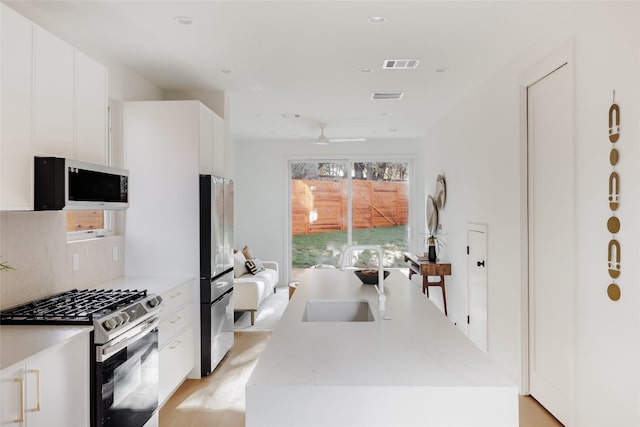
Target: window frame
column 349, row 160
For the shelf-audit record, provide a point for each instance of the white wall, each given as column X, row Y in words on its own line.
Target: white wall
column 262, row 188
column 478, row 148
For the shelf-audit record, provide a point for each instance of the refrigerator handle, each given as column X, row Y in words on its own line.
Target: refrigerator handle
column 222, row 284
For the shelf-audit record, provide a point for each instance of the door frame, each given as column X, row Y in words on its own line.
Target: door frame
column 564, row 56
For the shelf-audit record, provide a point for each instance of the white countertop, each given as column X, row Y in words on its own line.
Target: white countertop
column 20, row 342
column 153, row 285
column 416, row 369
column 417, row 346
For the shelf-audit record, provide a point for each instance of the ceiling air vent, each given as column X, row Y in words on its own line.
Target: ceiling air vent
column 400, row 64
column 387, row 95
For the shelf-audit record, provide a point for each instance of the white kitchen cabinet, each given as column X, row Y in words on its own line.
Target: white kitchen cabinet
column 161, row 151
column 50, row 388
column 53, row 101
column 211, row 143
column 91, row 100
column 16, row 142
column 176, row 338
column 218, row 146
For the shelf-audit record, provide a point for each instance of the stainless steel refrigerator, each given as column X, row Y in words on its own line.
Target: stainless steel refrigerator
column 216, row 270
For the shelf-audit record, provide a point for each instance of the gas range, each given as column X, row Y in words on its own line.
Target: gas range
column 111, row 311
column 124, row 378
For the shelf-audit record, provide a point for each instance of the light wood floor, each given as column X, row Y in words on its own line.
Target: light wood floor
column 218, row 400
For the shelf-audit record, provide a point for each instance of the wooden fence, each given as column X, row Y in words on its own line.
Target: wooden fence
column 321, row 206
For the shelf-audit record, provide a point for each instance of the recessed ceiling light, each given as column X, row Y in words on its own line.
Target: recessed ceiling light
column 365, row 70
column 224, row 70
column 183, row 20
column 377, row 20
column 442, row 69
column 393, row 130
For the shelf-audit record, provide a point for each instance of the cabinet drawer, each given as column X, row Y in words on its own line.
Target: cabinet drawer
column 176, row 297
column 176, row 361
column 173, row 324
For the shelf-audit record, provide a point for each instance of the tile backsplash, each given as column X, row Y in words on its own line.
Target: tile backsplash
column 35, row 244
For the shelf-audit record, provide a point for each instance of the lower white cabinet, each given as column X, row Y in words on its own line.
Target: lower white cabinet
column 176, row 339
column 48, row 389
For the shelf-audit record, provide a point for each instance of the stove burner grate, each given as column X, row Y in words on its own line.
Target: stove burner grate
column 74, row 307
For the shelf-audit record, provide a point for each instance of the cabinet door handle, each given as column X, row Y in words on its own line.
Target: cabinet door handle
column 36, row 372
column 175, row 344
column 175, row 320
column 176, row 295
column 20, row 418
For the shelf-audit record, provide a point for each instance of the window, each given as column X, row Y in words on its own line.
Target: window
column 85, row 220
column 339, row 203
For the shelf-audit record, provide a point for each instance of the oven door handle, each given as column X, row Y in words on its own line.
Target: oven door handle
column 104, row 352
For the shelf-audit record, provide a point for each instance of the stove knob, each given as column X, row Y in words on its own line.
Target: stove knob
column 152, row 302
column 118, row 319
column 109, row 324
column 125, row 317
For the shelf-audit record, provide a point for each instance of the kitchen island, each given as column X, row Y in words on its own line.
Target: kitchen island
column 409, row 366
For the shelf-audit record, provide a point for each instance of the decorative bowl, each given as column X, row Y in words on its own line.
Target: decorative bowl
column 369, row 277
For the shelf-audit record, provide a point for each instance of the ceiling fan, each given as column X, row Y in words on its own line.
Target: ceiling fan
column 323, row 140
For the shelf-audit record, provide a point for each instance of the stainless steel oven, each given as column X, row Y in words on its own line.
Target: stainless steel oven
column 126, row 378
column 126, row 366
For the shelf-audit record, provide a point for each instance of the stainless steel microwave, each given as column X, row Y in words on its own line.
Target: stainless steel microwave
column 73, row 185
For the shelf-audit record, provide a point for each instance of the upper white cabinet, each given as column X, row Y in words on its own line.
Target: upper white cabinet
column 91, row 100
column 53, row 100
column 53, row 103
column 211, row 143
column 16, row 90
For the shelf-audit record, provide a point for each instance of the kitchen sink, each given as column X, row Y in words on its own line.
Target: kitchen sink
column 337, row 311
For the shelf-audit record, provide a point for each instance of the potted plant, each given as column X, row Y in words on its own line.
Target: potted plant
column 5, row 266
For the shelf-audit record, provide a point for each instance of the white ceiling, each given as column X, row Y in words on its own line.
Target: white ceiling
column 303, row 57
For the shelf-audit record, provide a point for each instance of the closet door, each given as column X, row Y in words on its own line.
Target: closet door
column 551, row 240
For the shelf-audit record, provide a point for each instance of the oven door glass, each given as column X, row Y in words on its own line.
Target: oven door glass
column 127, row 384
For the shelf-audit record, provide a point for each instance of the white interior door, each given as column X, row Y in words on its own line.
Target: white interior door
column 551, row 240
column 477, row 284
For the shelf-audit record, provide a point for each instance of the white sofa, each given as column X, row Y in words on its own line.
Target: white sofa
column 250, row 290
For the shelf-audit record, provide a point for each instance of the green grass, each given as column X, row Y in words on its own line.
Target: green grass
column 327, row 248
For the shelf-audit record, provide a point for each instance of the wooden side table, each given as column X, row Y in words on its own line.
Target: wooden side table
column 426, row 269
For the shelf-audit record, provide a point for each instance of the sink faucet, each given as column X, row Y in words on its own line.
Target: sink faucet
column 380, row 286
